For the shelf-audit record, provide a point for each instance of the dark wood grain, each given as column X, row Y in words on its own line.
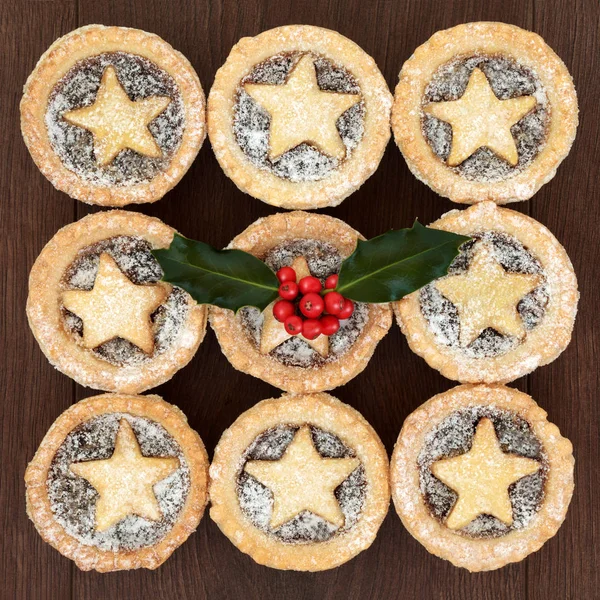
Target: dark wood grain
column 207, row 206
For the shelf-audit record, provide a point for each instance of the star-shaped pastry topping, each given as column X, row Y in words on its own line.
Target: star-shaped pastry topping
column 487, row 296
column 116, row 307
column 125, row 481
column 303, row 480
column 118, row 123
column 481, row 478
column 301, row 112
column 479, row 119
column 274, row 333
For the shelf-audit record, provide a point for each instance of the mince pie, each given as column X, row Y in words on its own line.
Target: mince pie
column 298, row 116
column 300, row 482
column 507, row 305
column 99, row 311
column 480, row 477
column 258, row 343
column 484, row 111
column 113, row 115
column 119, row 482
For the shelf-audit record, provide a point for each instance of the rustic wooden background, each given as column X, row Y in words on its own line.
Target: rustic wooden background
column 207, row 206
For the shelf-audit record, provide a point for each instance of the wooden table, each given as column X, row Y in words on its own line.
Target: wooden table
column 206, row 205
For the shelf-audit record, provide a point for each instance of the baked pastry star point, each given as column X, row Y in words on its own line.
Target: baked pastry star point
column 118, row 123
column 479, row 119
column 302, row 480
column 481, row 478
column 301, row 112
column 487, row 296
column 115, row 307
column 125, row 481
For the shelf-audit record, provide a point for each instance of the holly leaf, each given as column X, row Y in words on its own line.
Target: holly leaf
column 226, row 278
column 392, row 265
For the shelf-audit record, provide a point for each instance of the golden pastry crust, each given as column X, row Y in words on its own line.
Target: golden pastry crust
column 542, row 344
column 325, row 412
column 266, row 186
column 46, row 319
column 490, row 38
column 89, row 557
column 480, row 554
column 258, row 239
column 89, row 41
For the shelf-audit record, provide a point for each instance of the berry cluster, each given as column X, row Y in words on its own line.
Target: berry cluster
column 321, row 309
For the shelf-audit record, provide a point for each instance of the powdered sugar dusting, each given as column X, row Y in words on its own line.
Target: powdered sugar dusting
column 251, row 123
column 508, row 79
column 454, row 436
column 443, row 318
column 78, row 88
column 256, row 500
column 132, row 254
column 134, row 257
column 73, row 499
column 323, row 260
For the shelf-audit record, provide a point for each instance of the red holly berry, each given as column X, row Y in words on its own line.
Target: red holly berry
column 347, row 311
column 293, row 325
column 309, row 285
column 311, row 328
column 331, row 282
column 334, row 303
column 283, row 309
column 288, row 290
column 312, row 305
column 329, row 324
column 286, row 274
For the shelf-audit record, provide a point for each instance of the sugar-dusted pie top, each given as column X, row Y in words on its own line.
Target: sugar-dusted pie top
column 95, row 285
column 141, row 79
column 298, row 116
column 484, row 111
column 508, row 79
column 252, row 123
column 480, row 477
column 256, row 500
column 300, row 482
column 316, row 244
column 134, row 258
column 444, row 318
column 453, row 436
column 113, row 115
column 118, row 482
column 507, row 305
column 73, row 499
column 323, row 259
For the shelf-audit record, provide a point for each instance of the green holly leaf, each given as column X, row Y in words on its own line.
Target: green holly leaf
column 226, row 278
column 392, row 265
